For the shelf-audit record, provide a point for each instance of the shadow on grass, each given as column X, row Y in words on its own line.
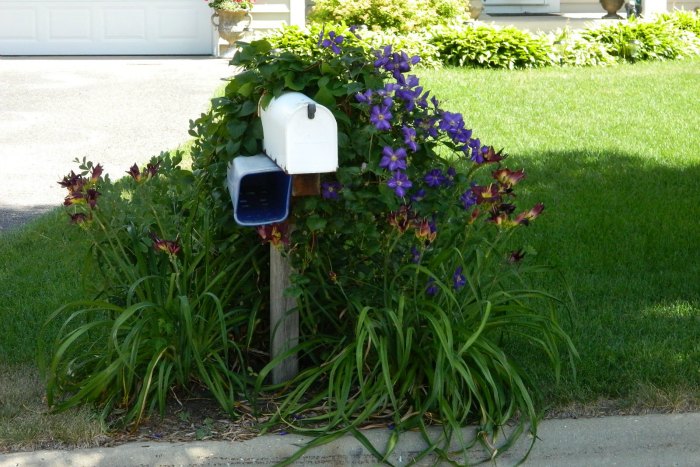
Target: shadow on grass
column 624, row 232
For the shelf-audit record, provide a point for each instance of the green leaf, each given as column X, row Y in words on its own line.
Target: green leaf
column 325, row 97
column 249, row 107
column 315, row 223
column 236, row 128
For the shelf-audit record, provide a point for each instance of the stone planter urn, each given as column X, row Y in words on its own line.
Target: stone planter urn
column 475, row 9
column 232, row 26
column 612, row 7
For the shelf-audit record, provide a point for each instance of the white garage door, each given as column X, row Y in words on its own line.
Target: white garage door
column 105, row 27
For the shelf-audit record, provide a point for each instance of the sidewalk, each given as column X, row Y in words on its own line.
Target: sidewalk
column 630, row 441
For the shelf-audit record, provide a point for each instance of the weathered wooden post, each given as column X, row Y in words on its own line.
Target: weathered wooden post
column 284, row 318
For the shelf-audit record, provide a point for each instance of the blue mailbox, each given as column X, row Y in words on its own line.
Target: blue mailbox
column 260, row 190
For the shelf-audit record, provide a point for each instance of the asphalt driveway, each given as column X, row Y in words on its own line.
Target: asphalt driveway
column 115, row 111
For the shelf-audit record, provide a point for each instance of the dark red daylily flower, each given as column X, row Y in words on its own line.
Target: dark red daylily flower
column 276, row 234
column 72, row 182
column 402, row 218
column 486, row 194
column 74, row 198
column 424, row 230
column 91, row 197
column 96, row 172
column 516, row 256
column 78, row 218
column 500, row 219
column 134, row 172
column 171, row 247
column 527, row 216
column 507, row 177
column 491, row 156
column 152, row 169
column 474, row 215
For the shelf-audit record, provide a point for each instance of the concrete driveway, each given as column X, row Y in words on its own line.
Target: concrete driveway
column 116, row 111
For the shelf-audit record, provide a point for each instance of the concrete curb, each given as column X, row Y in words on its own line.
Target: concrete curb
column 649, row 440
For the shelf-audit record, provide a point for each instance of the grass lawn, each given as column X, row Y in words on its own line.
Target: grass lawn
column 614, row 153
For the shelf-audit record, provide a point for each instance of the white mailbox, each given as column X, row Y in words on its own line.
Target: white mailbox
column 259, row 190
column 300, row 135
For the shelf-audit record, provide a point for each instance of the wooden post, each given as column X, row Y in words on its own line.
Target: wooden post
column 284, row 323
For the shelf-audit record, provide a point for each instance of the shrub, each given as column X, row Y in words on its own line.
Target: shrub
column 404, row 287
column 684, row 20
column 304, row 42
column 173, row 304
column 570, row 48
column 491, row 47
column 401, row 15
column 644, row 40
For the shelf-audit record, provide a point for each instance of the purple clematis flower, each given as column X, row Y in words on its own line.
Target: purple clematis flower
column 400, row 183
column 380, row 118
column 330, row 190
column 419, row 196
column 409, row 138
column 364, row 97
column 415, row 255
column 382, row 57
column 458, row 279
column 468, row 199
column 333, row 42
column 393, row 159
column 431, row 288
column 450, row 177
column 434, row 178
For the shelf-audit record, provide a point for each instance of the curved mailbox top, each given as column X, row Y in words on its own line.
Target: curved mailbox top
column 300, row 135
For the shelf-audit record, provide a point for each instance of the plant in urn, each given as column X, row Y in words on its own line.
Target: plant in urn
column 232, row 18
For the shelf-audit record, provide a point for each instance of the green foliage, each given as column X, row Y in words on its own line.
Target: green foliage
column 304, row 42
column 172, row 300
column 230, row 5
column 492, row 47
column 672, row 35
column 400, row 15
column 403, row 283
column 570, row 48
column 685, row 20
column 637, row 40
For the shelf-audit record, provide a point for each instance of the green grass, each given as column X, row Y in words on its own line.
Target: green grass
column 614, row 153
